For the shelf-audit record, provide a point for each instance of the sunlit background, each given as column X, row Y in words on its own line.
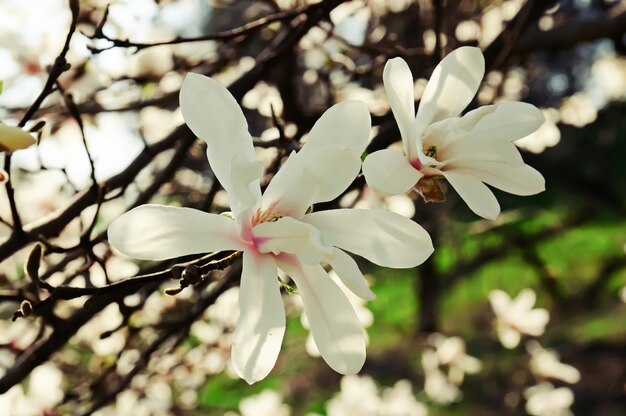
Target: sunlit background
column 459, row 335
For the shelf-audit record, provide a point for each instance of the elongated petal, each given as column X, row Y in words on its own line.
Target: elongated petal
column 460, row 151
column 451, row 87
column 388, row 172
column 508, row 336
column 157, row 232
column 335, row 326
column 319, row 177
column 478, row 197
column 535, row 322
column 348, row 272
column 14, row 138
column 213, row 115
column 500, row 301
column 398, row 82
column 382, row 237
column 261, row 324
column 525, row 300
column 288, row 235
column 346, row 123
column 517, row 180
column 508, row 121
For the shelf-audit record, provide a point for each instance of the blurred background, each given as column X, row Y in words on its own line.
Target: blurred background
column 522, row 315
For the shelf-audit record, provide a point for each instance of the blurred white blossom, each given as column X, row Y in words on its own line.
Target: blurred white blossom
column 516, row 317
column 545, row 400
column 546, row 364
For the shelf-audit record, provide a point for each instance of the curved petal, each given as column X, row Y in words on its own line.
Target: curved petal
column 261, row 324
column 535, row 322
column 398, row 82
column 500, row 301
column 525, row 300
column 213, row 115
column 319, row 177
column 287, row 235
column 509, row 337
column 347, row 123
column 517, row 180
column 451, row 87
column 350, row 275
column 335, row 326
column 14, row 138
column 158, row 232
column 388, row 172
column 508, row 121
column 382, row 237
column 476, row 194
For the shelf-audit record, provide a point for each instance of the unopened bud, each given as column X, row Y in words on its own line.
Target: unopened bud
column 26, row 308
column 430, row 189
column 14, row 138
column 172, row 291
column 192, row 274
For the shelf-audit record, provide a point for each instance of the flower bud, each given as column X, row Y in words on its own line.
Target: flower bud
column 14, row 138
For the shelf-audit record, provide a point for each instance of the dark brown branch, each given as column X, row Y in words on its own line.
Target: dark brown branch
column 225, row 35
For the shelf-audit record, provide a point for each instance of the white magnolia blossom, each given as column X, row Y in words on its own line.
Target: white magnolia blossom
column 469, row 151
column 545, row 400
column 360, row 396
column 450, row 351
column 276, row 229
column 515, row 317
column 546, row 364
column 12, row 138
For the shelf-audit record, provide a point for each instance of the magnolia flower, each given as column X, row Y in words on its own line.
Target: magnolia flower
column 11, row 139
column 547, row 364
column 515, row 317
column 466, row 150
column 545, row 400
column 451, row 351
column 277, row 229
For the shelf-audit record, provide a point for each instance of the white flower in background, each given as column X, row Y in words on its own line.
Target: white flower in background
column 547, row 364
column 266, row 403
column 366, row 317
column 466, row 150
column 360, row 396
column 515, row 317
column 44, row 391
column 274, row 230
column 437, row 386
column 399, row 400
column 451, row 352
column 544, row 400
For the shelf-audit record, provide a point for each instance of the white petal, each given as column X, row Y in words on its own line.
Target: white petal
column 336, row 329
column 288, row 235
column 346, row 123
column 157, row 232
column 319, row 177
column 517, row 180
column 348, row 272
column 476, row 195
column 382, row 237
column 509, row 337
column 500, row 301
column 525, row 300
column 388, row 172
column 506, row 121
column 213, row 115
column 535, row 322
column 451, row 87
column 261, row 323
column 459, row 151
column 398, row 82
